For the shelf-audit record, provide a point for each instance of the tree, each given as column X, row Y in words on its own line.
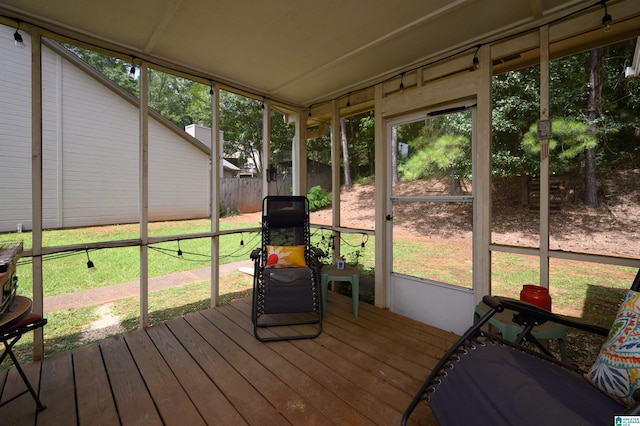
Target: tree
column 516, row 105
column 593, row 77
column 571, row 138
column 394, row 154
column 345, row 154
column 241, row 123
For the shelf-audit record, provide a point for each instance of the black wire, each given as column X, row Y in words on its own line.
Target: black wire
column 53, row 256
column 243, row 251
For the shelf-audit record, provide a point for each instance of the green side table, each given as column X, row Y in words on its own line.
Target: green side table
column 349, row 274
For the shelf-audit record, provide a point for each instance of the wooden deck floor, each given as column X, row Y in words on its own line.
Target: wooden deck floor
column 207, row 368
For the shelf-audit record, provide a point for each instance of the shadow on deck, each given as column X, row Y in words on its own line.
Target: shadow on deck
column 207, row 368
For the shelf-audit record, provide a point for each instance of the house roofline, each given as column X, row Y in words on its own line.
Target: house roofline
column 96, row 75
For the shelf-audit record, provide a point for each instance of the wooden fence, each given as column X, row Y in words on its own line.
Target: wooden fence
column 245, row 194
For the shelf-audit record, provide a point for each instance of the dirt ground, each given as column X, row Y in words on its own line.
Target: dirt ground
column 612, row 228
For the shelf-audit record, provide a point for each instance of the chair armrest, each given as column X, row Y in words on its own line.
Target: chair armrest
column 318, row 252
column 535, row 315
column 255, row 254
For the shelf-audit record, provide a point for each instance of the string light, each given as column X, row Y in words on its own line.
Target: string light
column 90, row 264
column 606, row 19
column 349, row 101
column 401, row 82
column 476, row 61
column 132, row 71
column 365, row 238
column 17, row 38
column 180, row 256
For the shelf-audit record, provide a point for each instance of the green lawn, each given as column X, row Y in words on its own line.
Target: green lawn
column 67, row 272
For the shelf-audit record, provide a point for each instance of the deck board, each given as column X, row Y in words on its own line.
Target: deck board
column 57, row 389
column 94, row 398
column 285, row 400
column 131, row 397
column 208, row 368
column 206, row 396
column 250, row 403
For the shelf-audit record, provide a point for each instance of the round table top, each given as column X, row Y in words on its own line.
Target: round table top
column 19, row 310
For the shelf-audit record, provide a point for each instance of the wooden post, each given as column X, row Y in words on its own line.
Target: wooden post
column 544, row 159
column 143, row 108
column 36, row 188
column 482, row 177
column 216, row 156
column 266, row 149
column 335, row 176
column 383, row 230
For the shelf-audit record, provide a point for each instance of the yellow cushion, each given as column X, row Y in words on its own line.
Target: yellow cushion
column 285, row 257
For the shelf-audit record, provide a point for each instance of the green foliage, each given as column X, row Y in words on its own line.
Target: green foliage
column 445, row 155
column 361, row 144
column 226, row 212
column 366, row 180
column 318, row 198
column 505, row 163
column 570, row 139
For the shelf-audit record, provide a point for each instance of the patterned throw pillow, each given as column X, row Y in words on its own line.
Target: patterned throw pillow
column 285, row 257
column 616, row 372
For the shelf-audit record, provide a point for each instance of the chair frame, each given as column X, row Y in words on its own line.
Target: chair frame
column 312, row 258
column 528, row 316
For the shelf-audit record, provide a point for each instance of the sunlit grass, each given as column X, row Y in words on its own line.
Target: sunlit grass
column 69, row 329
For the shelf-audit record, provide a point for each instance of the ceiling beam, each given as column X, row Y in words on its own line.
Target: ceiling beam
column 161, row 25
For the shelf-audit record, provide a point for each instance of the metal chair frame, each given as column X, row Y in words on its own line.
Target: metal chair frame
column 285, row 221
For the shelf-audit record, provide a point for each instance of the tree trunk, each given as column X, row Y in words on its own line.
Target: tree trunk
column 394, row 154
column 590, row 185
column 345, row 154
column 455, row 187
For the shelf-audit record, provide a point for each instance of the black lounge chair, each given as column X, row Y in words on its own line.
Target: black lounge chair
column 486, row 380
column 286, row 284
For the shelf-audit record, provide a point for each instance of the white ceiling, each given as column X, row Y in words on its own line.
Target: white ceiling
column 295, row 51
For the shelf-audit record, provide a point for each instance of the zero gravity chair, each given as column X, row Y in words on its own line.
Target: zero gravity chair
column 485, row 380
column 286, row 283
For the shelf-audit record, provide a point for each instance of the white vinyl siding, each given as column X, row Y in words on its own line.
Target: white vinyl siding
column 178, row 177
column 15, row 133
column 100, row 153
column 90, row 151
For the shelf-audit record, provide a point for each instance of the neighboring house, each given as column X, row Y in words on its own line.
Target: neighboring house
column 203, row 134
column 90, row 149
column 246, row 169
